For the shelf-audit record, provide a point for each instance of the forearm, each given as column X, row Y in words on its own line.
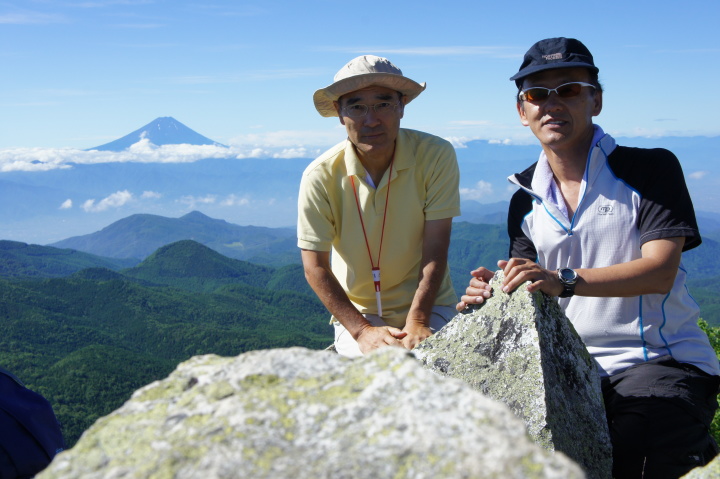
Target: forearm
column 634, row 278
column 653, row 273
column 433, row 265
column 429, row 282
column 335, row 299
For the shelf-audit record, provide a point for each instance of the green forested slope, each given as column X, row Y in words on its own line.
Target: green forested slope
column 86, row 342
column 88, row 339
column 191, row 265
column 35, row 261
column 473, row 245
column 139, row 235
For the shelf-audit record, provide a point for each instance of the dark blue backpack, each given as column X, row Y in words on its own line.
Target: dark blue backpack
column 30, row 434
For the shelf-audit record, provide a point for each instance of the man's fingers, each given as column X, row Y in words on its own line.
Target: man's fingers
column 482, row 273
column 396, row 333
column 468, row 300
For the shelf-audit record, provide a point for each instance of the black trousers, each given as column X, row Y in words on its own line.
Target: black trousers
column 659, row 415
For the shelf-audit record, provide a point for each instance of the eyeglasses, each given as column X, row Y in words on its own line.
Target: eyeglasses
column 566, row 90
column 359, row 110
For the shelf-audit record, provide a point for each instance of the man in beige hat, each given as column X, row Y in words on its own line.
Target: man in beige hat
column 381, row 201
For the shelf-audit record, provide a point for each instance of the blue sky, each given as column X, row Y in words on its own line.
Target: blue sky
column 79, row 73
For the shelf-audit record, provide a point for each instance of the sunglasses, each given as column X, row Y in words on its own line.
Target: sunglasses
column 566, row 90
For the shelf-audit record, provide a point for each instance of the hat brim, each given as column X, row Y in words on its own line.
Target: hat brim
column 325, row 97
column 552, row 66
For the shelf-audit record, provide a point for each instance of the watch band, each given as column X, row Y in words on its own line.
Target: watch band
column 568, row 279
column 568, row 291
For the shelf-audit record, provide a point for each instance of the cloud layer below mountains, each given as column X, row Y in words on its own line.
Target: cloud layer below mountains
column 44, row 159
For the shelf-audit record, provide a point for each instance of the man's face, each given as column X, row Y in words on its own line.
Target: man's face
column 561, row 122
column 373, row 134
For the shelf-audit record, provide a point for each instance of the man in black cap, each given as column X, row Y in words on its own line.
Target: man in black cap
column 602, row 227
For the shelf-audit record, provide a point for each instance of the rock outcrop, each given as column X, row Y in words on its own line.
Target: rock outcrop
column 520, row 349
column 296, row 413
column 710, row 471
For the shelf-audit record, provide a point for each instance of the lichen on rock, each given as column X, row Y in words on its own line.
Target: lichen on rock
column 521, row 349
column 308, row 414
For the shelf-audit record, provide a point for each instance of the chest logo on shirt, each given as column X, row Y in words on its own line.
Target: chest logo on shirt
column 605, row 210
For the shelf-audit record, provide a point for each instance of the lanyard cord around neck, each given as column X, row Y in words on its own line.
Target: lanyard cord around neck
column 375, row 269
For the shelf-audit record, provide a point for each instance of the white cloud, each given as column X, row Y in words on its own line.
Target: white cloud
column 698, row 175
column 234, row 200
column 140, row 26
column 34, row 159
column 482, row 189
column 462, row 141
column 193, row 201
column 66, row 205
column 458, row 141
column 249, row 76
column 301, row 152
column 291, row 138
column 115, row 200
column 30, row 18
column 150, row 194
column 458, row 50
column 109, row 3
column 275, row 144
column 471, row 122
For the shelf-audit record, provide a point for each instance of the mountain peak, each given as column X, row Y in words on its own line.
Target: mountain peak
column 197, row 216
column 190, row 259
column 164, row 130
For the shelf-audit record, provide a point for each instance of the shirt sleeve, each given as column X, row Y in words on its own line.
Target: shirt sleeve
column 520, row 245
column 443, row 185
column 315, row 226
column 666, row 209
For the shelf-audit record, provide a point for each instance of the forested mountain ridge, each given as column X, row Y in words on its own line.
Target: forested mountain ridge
column 87, row 341
column 20, row 260
column 139, row 235
column 189, row 264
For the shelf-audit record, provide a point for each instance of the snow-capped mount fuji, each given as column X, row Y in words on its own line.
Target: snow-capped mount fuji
column 165, row 130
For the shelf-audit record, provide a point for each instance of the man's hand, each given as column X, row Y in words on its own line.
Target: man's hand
column 654, row 273
column 415, row 334
column 374, row 337
column 518, row 271
column 478, row 290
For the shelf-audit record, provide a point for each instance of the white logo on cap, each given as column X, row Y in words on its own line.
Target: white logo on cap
column 554, row 56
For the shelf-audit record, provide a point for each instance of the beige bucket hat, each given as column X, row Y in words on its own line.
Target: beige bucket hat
column 362, row 72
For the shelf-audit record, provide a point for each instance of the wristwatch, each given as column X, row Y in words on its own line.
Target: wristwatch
column 568, row 278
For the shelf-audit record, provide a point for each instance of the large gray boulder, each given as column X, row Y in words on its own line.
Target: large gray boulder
column 521, row 349
column 297, row 414
column 710, row 471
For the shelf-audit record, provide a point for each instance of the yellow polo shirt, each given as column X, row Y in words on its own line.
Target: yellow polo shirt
column 424, row 186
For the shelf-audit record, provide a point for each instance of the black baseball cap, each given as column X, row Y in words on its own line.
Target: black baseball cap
column 552, row 53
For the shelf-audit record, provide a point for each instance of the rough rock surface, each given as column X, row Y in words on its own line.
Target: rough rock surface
column 521, row 349
column 296, row 413
column 711, row 471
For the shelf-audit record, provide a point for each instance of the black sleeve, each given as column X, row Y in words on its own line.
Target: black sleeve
column 666, row 210
column 520, row 245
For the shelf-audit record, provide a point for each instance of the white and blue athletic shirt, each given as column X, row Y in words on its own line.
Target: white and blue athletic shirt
column 628, row 196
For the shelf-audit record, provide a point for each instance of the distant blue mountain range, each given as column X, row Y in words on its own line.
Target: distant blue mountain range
column 48, row 206
column 161, row 131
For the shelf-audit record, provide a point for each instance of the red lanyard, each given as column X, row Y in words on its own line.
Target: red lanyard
column 375, row 269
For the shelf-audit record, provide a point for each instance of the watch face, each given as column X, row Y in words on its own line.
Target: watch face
column 567, row 275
